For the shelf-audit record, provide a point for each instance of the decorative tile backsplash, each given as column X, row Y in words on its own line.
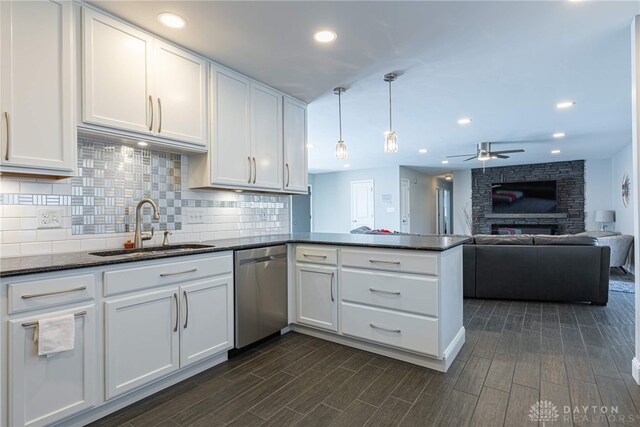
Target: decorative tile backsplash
column 98, row 204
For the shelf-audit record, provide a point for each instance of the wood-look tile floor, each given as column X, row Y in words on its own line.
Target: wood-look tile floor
column 515, row 354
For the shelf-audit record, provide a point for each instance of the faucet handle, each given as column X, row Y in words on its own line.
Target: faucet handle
column 147, row 236
column 165, row 241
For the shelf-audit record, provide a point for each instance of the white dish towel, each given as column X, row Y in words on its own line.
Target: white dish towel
column 55, row 334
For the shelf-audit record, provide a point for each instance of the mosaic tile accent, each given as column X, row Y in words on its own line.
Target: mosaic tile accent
column 113, row 178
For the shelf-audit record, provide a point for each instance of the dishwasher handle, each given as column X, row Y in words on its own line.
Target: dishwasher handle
column 263, row 259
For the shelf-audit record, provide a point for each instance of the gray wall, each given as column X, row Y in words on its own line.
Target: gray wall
column 422, row 201
column 622, row 163
column 332, row 199
column 461, row 201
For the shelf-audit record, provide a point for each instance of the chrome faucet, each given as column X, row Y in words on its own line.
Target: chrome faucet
column 139, row 236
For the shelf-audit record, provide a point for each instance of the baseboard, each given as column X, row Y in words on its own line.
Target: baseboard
column 635, row 370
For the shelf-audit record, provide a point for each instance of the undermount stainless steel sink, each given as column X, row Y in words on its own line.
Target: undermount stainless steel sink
column 152, row 250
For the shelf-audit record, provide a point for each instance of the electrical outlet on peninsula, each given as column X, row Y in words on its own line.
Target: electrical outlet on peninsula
column 49, row 217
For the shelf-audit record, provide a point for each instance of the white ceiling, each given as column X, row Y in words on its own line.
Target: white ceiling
column 504, row 64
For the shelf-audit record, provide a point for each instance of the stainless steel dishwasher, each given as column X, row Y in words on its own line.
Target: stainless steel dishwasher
column 260, row 293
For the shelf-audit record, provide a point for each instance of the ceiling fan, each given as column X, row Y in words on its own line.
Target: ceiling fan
column 484, row 153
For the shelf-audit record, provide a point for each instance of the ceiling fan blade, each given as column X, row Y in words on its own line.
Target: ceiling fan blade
column 470, row 158
column 508, row 151
column 500, row 156
column 460, row 155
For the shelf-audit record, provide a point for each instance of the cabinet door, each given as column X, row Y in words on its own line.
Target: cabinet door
column 141, row 340
column 44, row 389
column 317, row 296
column 36, row 92
column 117, row 80
column 230, row 149
column 180, row 94
column 295, row 146
column 207, row 319
column 266, row 137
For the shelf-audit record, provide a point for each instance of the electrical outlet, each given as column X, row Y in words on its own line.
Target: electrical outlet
column 195, row 216
column 49, row 217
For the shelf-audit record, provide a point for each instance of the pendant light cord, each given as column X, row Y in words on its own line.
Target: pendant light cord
column 340, row 112
column 390, row 127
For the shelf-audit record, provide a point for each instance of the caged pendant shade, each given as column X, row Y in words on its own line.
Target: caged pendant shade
column 341, row 147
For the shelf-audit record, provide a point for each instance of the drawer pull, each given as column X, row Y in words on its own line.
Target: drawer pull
column 397, row 331
column 314, row 256
column 380, row 291
column 193, row 270
column 46, row 294
column 31, row 324
column 380, row 261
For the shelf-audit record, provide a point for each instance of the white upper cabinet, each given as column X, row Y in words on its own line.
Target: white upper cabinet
column 37, row 125
column 181, row 94
column 295, row 146
column 266, row 137
column 134, row 82
column 230, row 150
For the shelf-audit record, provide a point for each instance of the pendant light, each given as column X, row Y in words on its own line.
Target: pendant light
column 341, row 147
column 390, row 137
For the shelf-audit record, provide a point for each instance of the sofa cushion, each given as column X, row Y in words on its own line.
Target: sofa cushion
column 567, row 240
column 490, row 239
column 599, row 233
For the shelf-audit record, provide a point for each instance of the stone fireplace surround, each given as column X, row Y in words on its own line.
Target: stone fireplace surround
column 571, row 198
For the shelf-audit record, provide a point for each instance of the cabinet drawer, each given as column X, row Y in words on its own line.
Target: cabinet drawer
column 418, row 294
column 43, row 293
column 401, row 330
column 317, row 255
column 407, row 262
column 152, row 275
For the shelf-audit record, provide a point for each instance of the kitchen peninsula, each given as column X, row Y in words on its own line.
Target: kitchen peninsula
column 148, row 319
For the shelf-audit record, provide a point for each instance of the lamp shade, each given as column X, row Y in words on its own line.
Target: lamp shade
column 605, row 216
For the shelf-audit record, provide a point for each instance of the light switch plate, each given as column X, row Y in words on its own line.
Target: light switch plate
column 195, row 216
column 49, row 217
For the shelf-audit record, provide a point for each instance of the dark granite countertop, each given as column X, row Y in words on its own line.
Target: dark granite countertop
column 18, row 266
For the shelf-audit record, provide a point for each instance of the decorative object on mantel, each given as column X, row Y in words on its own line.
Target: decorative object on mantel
column 341, row 147
column 390, row 137
column 603, row 217
column 626, row 189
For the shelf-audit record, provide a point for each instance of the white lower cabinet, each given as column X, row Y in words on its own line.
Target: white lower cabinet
column 141, row 340
column 317, row 296
column 207, row 320
column 43, row 390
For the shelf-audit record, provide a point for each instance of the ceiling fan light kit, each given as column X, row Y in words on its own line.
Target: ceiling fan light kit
column 390, row 137
column 341, row 147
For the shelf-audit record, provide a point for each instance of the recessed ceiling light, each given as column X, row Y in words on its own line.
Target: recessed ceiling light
column 565, row 104
column 347, row 166
column 325, row 36
column 142, row 144
column 555, row 151
column 464, row 121
column 311, row 146
column 444, row 162
column 422, row 150
column 559, row 135
column 172, row 20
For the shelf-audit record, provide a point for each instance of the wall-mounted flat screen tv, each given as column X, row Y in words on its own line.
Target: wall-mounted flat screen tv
column 525, row 197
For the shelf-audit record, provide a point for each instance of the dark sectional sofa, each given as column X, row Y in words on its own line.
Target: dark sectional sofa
column 537, row 268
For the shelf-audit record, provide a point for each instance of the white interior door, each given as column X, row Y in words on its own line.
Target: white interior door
column 405, row 206
column 362, row 210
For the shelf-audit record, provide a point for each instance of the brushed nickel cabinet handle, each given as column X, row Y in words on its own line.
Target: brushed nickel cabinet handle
column 332, row 275
column 31, row 324
column 46, row 294
column 255, row 170
column 151, row 110
column 396, row 331
column 287, row 166
column 175, row 297
column 178, row 272
column 6, row 119
column 250, row 173
column 384, row 262
column 159, row 116
column 380, row 291
column 314, row 256
column 186, row 301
